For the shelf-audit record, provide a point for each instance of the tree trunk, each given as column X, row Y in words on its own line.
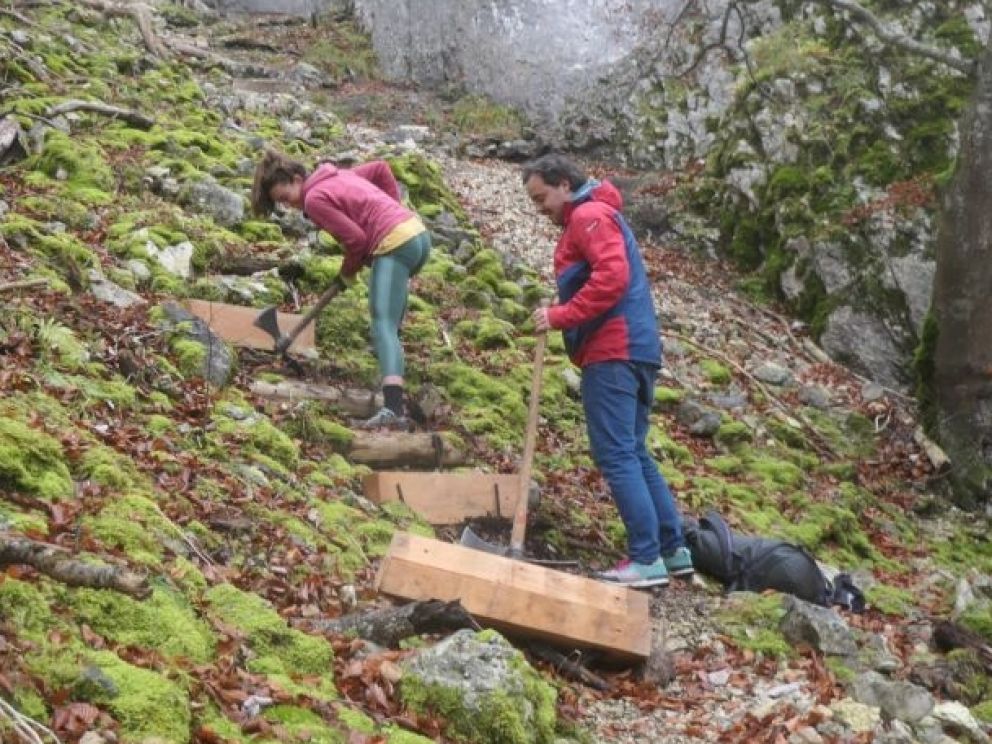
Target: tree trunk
column 959, row 406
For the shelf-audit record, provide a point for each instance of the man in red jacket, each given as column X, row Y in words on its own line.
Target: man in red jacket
column 361, row 208
column 606, row 315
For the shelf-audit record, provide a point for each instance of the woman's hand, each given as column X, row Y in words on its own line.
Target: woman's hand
column 541, row 320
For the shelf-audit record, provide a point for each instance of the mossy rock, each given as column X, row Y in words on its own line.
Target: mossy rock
column 483, row 688
column 24, row 607
column 752, row 621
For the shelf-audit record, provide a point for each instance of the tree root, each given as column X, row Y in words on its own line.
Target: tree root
column 57, row 564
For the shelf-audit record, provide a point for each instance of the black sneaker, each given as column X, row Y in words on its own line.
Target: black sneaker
column 386, row 418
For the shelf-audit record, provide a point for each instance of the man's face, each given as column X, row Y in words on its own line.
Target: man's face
column 549, row 200
column 288, row 193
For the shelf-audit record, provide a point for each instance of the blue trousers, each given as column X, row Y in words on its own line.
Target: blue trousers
column 617, row 397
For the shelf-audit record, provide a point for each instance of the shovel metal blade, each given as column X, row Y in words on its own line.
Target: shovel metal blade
column 268, row 321
column 470, row 540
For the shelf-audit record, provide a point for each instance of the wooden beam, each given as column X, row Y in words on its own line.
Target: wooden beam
column 446, row 498
column 233, row 323
column 519, row 598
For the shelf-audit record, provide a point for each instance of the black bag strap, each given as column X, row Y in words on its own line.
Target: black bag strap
column 715, row 522
column 843, row 592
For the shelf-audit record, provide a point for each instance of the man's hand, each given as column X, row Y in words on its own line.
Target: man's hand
column 541, row 320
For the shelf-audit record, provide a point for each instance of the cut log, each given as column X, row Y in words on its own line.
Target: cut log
column 243, row 265
column 518, row 598
column 446, row 498
column 234, row 323
column 350, row 401
column 390, row 625
column 134, row 118
column 400, row 449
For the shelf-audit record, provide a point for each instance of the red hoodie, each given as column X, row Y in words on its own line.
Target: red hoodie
column 359, row 207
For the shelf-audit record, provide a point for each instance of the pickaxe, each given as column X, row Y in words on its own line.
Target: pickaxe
column 268, row 321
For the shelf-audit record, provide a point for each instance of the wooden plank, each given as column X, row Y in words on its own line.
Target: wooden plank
column 446, row 498
column 520, row 598
column 234, row 323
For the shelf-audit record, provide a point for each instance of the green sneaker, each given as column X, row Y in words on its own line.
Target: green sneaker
column 679, row 563
column 636, row 575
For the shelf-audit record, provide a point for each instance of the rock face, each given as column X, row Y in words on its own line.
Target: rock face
column 529, row 53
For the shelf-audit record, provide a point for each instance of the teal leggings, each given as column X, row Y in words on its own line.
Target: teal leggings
column 388, row 292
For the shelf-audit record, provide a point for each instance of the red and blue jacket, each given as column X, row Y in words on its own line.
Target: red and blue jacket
column 605, row 308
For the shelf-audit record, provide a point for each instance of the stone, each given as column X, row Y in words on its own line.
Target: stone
column 865, row 343
column 956, row 718
column 104, row 289
column 858, row 717
column 139, row 269
column 209, row 197
column 815, row 396
column 820, row 627
column 772, row 373
column 896, row 698
column 913, row 276
column 176, row 259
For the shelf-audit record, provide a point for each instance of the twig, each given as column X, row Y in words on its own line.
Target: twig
column 134, row 118
column 567, row 667
column 23, row 284
column 822, row 446
column 18, row 17
column 57, row 563
column 27, row 729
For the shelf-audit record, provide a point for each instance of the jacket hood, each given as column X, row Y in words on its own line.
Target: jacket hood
column 596, row 191
column 323, row 172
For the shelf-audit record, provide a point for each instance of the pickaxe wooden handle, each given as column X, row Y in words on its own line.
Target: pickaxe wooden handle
column 268, row 322
column 530, row 442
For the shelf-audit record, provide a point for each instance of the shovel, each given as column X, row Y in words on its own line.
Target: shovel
column 268, row 321
column 469, row 539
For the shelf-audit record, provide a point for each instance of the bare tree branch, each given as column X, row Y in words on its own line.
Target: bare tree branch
column 134, row 118
column 142, row 15
column 898, row 40
column 59, row 565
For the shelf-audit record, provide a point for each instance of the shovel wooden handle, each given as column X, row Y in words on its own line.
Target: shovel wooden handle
column 530, row 442
column 329, row 294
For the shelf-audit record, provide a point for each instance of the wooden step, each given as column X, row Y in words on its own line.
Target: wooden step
column 519, row 598
column 234, row 323
column 446, row 498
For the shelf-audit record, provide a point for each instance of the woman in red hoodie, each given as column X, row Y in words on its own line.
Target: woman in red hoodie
column 361, row 208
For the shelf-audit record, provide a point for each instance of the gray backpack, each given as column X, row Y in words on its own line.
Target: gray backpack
column 755, row 564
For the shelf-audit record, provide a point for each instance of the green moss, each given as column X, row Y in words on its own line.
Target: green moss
column 80, row 163
column 29, row 703
column 278, row 649
column 666, row 397
column 146, row 704
column 32, row 462
column 355, row 720
column 260, row 436
column 979, row 618
column 479, row 116
column 190, row 356
column 164, row 621
column 303, row 724
column 24, row 607
column 752, row 621
column 136, row 525
column 715, row 372
column 107, row 467
column 492, row 333
column 774, row 472
column 309, row 424
column 733, row 434
column 840, row 669
column 889, row 599
column 983, row 711
column 659, row 442
column 397, row 735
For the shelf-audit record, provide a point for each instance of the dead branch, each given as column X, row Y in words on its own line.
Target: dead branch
column 899, row 40
column 22, row 284
column 389, row 626
column 59, row 565
column 817, row 439
column 18, row 17
column 135, row 119
column 141, row 14
column 27, row 729
column 567, row 667
column 382, row 450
